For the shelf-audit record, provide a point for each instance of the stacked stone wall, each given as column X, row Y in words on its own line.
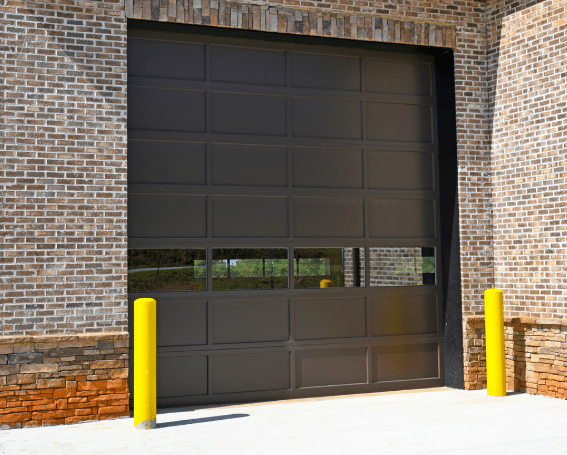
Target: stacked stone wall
column 63, row 379
column 536, row 355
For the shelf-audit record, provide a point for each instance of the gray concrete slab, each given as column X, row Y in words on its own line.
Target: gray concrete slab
column 437, row 421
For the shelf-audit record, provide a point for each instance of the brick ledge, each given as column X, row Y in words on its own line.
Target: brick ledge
column 78, row 337
column 520, row 320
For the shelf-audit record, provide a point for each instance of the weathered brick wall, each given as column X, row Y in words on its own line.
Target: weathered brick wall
column 536, row 355
column 395, row 267
column 63, row 169
column 63, row 379
column 528, row 80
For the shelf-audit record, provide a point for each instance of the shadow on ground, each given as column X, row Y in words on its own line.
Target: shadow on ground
column 203, row 420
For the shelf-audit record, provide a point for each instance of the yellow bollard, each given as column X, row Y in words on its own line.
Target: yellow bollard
column 145, row 363
column 494, row 329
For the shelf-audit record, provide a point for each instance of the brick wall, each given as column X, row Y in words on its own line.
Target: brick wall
column 63, row 169
column 395, row 267
column 63, row 379
column 528, row 80
column 527, row 60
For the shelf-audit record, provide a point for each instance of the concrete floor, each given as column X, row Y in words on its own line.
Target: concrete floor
column 436, row 421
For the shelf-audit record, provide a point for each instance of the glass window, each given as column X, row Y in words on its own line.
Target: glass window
column 166, row 270
column 402, row 266
column 250, row 268
column 328, row 267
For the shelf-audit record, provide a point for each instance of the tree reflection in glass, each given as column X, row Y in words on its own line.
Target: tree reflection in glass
column 166, row 270
column 250, row 268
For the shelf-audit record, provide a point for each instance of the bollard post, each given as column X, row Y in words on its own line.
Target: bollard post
column 494, row 330
column 145, row 363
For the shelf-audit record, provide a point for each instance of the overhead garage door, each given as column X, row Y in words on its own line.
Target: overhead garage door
column 283, row 212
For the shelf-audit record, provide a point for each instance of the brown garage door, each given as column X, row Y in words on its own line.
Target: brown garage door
column 283, row 211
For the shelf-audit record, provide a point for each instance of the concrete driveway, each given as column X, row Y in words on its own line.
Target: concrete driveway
column 435, row 421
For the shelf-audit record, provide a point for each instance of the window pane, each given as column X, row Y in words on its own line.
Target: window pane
column 250, row 268
column 328, row 267
column 402, row 266
column 166, row 270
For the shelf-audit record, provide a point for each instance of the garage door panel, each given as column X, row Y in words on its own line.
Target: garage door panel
column 182, row 375
column 166, row 59
column 249, row 165
column 400, row 170
column 167, row 162
column 322, row 318
column 327, row 168
column 251, row 372
column 263, row 165
column 260, row 115
column 325, row 118
column 399, row 77
column 166, row 109
column 402, row 218
column 158, row 216
column 250, row 321
column 402, row 314
column 247, row 66
column 249, row 217
column 326, row 72
column 181, row 324
column 328, row 217
column 405, row 362
column 325, row 367
column 399, row 122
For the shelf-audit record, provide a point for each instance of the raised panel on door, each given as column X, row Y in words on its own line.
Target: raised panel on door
column 315, row 154
column 319, row 318
column 326, row 367
column 250, row 321
column 251, row 372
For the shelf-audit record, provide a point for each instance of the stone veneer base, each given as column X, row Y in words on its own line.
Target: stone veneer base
column 536, row 355
column 63, row 378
